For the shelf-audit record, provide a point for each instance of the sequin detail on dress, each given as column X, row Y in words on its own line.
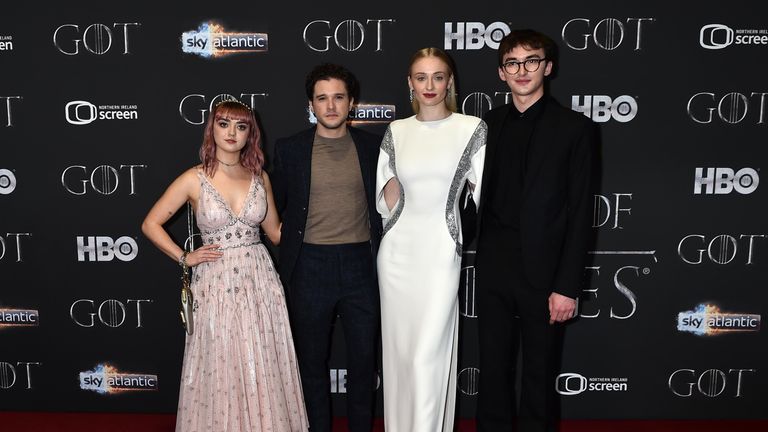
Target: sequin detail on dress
column 240, row 371
column 389, row 148
column 465, row 163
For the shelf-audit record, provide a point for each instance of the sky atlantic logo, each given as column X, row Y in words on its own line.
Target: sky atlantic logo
column 474, row 35
column 348, row 35
column 7, row 109
column 723, row 181
column 95, row 38
column 211, row 40
column 7, row 181
column 607, row 34
column 572, row 384
column 708, row 320
column 732, row 108
column 15, row 317
column 103, row 179
column 710, row 383
column 103, row 248
column 193, row 108
column 719, row 36
column 6, row 43
column 81, row 112
column 106, row 379
column 601, row 108
column 365, row 113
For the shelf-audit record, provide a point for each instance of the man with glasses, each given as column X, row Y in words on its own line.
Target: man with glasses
column 534, row 231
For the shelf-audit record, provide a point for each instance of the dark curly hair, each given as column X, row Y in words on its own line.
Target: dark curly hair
column 327, row 71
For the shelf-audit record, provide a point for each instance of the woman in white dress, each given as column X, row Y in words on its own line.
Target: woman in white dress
column 423, row 165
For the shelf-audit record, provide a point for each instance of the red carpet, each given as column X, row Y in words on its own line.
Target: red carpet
column 90, row 422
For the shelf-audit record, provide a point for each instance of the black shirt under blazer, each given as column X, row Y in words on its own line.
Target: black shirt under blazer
column 555, row 210
column 291, row 176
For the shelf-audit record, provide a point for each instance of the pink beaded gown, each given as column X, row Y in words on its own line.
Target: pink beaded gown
column 240, row 371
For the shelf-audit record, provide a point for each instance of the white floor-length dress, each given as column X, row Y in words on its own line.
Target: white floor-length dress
column 419, row 264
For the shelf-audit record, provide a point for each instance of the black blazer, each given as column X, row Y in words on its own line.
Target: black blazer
column 555, row 213
column 290, row 182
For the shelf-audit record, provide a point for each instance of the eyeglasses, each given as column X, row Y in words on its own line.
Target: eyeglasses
column 531, row 65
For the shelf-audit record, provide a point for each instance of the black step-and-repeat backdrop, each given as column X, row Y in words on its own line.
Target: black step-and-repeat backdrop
column 101, row 108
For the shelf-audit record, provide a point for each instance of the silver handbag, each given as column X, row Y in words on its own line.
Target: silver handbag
column 187, row 302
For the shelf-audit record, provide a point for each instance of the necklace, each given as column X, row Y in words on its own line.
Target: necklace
column 228, row 164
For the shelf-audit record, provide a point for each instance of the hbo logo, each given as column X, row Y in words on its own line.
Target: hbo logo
column 602, row 108
column 724, row 181
column 474, row 35
column 102, row 248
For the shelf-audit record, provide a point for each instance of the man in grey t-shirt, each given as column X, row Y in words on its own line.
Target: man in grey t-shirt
column 324, row 179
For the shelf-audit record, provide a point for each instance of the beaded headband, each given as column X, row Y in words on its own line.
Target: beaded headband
column 234, row 101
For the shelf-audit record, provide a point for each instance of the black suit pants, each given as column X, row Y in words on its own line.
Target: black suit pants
column 513, row 315
column 330, row 280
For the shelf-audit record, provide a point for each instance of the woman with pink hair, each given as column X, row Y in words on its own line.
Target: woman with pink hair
column 240, row 371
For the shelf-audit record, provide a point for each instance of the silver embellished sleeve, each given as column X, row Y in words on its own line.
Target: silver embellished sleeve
column 388, row 147
column 476, row 141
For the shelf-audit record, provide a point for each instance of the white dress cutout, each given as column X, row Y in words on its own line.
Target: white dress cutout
column 419, row 263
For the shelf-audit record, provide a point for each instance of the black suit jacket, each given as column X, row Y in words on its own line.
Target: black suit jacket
column 291, row 178
column 555, row 211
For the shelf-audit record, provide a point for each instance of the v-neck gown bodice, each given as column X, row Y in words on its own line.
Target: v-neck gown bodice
column 240, row 371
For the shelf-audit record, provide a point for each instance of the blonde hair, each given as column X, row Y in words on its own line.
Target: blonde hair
column 450, row 98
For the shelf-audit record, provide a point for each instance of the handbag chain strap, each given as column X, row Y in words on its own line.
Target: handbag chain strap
column 189, row 244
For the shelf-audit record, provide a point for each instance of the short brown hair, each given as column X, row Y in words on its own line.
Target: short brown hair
column 327, row 71
column 529, row 39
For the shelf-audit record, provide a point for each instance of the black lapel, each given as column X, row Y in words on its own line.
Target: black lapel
column 305, row 141
column 491, row 145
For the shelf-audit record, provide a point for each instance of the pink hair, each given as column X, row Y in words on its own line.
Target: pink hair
column 251, row 156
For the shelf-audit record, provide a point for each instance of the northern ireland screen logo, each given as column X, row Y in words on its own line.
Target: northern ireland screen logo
column 719, row 36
